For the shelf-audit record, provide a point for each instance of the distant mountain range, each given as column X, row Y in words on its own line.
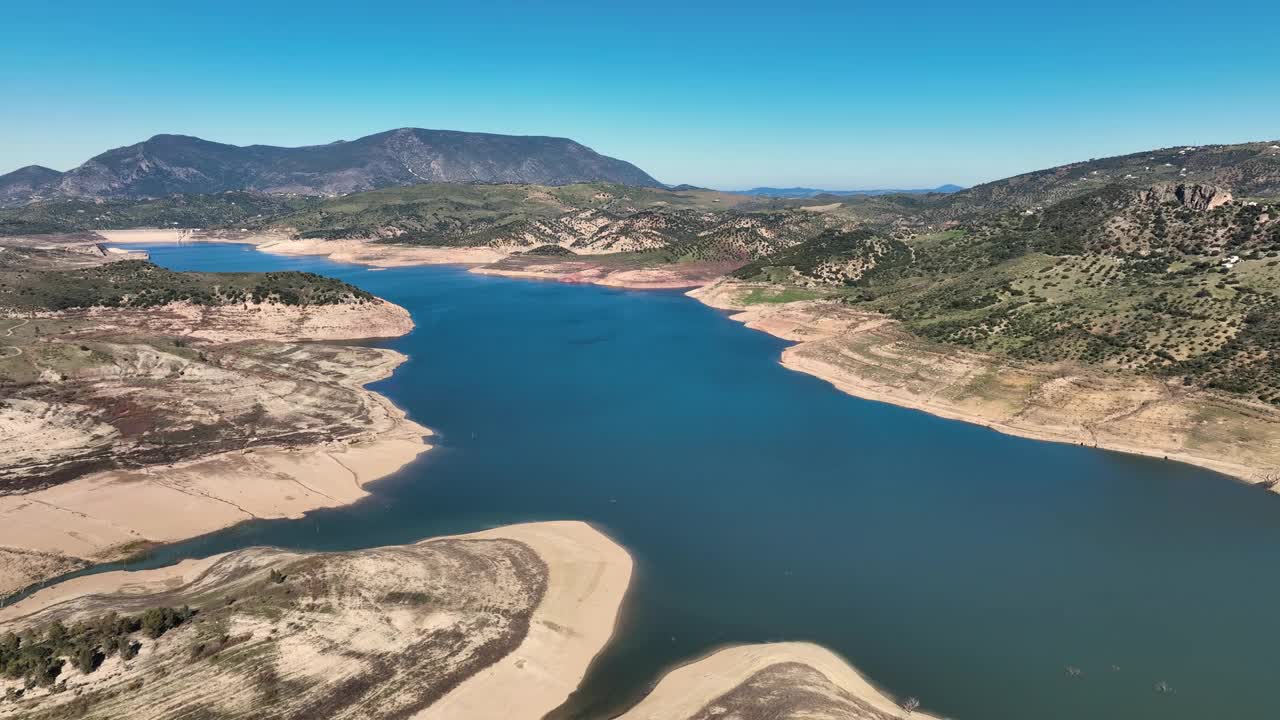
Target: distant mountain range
column 804, row 192
column 171, row 164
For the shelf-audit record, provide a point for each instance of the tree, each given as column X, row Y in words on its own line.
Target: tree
column 158, row 621
column 87, row 659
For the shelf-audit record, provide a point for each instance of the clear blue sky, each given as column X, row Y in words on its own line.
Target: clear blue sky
column 734, row 94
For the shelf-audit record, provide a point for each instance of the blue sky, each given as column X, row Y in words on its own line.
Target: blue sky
column 730, row 95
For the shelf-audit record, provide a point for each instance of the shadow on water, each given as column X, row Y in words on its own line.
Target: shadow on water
column 945, row 560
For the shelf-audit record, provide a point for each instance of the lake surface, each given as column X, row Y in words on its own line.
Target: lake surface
column 946, row 561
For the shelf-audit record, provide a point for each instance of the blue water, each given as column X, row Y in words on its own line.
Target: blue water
column 945, row 560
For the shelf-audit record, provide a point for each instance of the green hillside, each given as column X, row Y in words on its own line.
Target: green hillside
column 137, row 283
column 1164, row 261
column 223, row 210
column 1139, row 280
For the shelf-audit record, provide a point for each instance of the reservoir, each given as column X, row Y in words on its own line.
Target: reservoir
column 946, row 561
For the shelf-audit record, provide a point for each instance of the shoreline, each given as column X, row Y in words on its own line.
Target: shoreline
column 810, row 324
column 325, row 461
column 579, row 269
column 687, row 690
column 588, row 572
column 106, row 516
column 560, row 647
column 805, row 331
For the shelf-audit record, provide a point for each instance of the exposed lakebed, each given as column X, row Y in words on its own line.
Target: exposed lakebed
column 946, row 561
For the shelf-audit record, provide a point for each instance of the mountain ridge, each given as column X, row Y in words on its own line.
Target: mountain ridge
column 26, row 182
column 808, row 192
column 168, row 164
column 1248, row 169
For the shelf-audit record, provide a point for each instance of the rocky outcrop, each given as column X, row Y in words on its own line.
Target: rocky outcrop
column 1194, row 196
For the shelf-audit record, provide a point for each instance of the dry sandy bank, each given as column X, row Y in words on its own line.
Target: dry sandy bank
column 779, row 681
column 356, row 252
column 125, row 427
column 871, row 357
column 481, row 260
column 575, row 620
column 105, row 515
column 510, row 621
column 495, row 261
column 361, row 252
column 167, row 235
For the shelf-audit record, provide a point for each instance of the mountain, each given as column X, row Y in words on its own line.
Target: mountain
column 804, row 192
column 171, row 164
column 23, row 185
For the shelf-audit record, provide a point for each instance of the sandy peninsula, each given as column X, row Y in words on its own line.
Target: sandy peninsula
column 105, row 515
column 124, row 427
column 872, row 357
column 775, row 681
column 497, row 624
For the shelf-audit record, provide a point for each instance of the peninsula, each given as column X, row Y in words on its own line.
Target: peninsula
column 145, row 406
column 501, row 623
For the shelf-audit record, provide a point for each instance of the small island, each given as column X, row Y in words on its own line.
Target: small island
column 773, row 681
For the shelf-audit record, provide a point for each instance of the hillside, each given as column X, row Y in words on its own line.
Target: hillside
column 1174, row 280
column 807, row 192
column 23, row 185
column 229, row 210
column 593, row 219
column 171, row 164
column 1248, row 170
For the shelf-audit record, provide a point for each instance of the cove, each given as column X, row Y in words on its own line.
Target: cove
column 944, row 560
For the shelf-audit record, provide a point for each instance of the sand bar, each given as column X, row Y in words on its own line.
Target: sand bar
column 584, row 576
column 773, row 680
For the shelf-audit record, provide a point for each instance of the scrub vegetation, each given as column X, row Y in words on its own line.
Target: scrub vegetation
column 1135, row 280
column 141, row 284
column 1163, row 262
column 378, row 633
column 37, row 656
column 230, row 210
